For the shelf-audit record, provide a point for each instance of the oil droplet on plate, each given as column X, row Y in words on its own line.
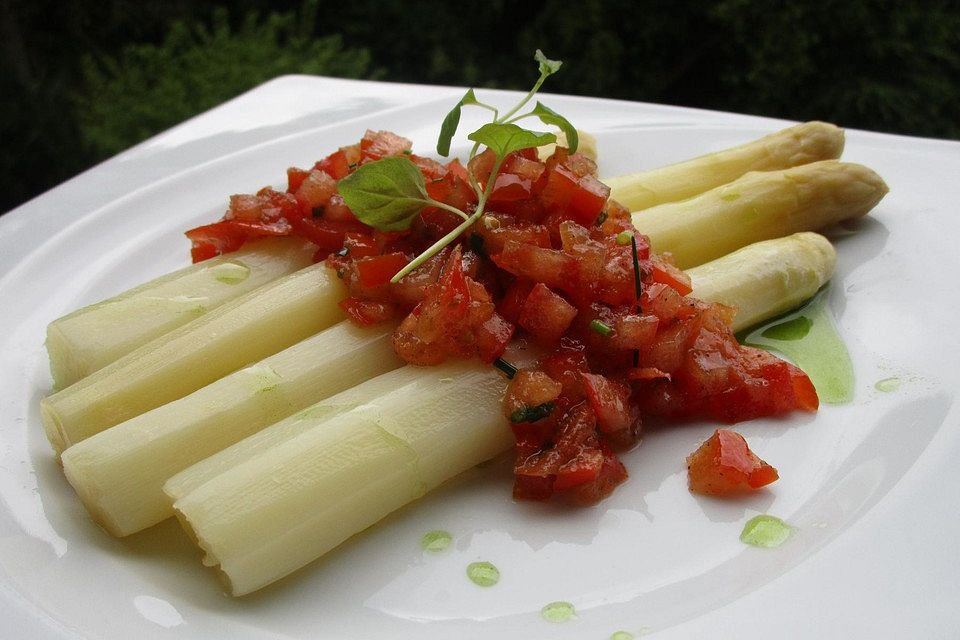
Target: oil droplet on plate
column 558, row 612
column 765, row 531
column 483, row 574
column 436, row 540
column 621, row 635
column 887, row 385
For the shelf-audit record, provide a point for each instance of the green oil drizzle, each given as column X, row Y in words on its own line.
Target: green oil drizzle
column 231, row 272
column 558, row 612
column 887, row 385
column 765, row 531
column 809, row 337
column 436, row 540
column 621, row 635
column 483, row 574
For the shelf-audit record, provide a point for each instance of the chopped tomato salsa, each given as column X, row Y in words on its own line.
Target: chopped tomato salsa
column 725, row 465
column 554, row 259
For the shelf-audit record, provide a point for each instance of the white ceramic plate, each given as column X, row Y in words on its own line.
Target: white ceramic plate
column 871, row 486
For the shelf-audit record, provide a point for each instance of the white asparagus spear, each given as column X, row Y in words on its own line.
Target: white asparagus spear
column 766, row 278
column 231, row 336
column 92, row 337
column 295, row 492
column 760, row 206
column 794, row 146
column 119, row 473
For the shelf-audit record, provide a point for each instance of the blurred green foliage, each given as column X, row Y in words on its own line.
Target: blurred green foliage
column 84, row 80
column 148, row 88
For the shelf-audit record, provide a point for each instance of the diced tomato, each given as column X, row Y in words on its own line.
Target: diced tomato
column 583, row 468
column 725, row 465
column 547, row 266
column 611, row 403
column 340, row 163
column 367, row 312
column 314, row 193
column 671, row 276
column 511, row 304
column 493, row 336
column 295, row 178
column 611, row 475
column 546, row 315
column 377, row 270
column 215, row 239
column 529, row 389
column 381, row 144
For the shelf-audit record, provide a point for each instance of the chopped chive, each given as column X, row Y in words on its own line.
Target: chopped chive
column 408, row 152
column 344, row 252
column 601, row 218
column 624, row 237
column 599, row 327
column 637, row 286
column 476, row 243
column 532, row 414
column 508, row 369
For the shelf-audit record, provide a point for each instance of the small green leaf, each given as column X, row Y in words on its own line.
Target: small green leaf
column 549, row 116
column 386, row 194
column 547, row 67
column 505, row 138
column 452, row 121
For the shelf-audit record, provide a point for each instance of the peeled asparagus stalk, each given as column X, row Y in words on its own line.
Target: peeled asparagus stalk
column 92, row 337
column 801, row 144
column 119, row 473
column 231, row 336
column 760, row 206
column 766, row 278
column 275, row 502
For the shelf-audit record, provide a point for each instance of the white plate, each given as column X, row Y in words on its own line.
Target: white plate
column 871, row 487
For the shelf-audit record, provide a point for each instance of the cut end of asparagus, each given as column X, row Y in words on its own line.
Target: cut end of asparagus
column 53, row 427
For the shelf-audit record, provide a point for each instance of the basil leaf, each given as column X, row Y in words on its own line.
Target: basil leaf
column 506, row 138
column 549, row 116
column 451, row 122
column 547, row 67
column 385, row 194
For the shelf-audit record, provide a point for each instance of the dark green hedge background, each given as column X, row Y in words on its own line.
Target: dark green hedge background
column 84, row 80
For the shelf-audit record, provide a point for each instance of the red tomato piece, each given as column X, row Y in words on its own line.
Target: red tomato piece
column 215, row 239
column 295, row 178
column 725, row 465
column 367, row 312
column 377, row 270
column 381, row 144
column 546, row 315
column 611, row 403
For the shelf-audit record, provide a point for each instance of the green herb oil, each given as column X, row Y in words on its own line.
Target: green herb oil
column 765, row 531
column 887, row 385
column 621, row 635
column 810, row 339
column 558, row 612
column 231, row 272
column 483, row 574
column 436, row 541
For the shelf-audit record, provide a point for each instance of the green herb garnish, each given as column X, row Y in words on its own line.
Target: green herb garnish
column 532, row 414
column 388, row 194
column 624, row 238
